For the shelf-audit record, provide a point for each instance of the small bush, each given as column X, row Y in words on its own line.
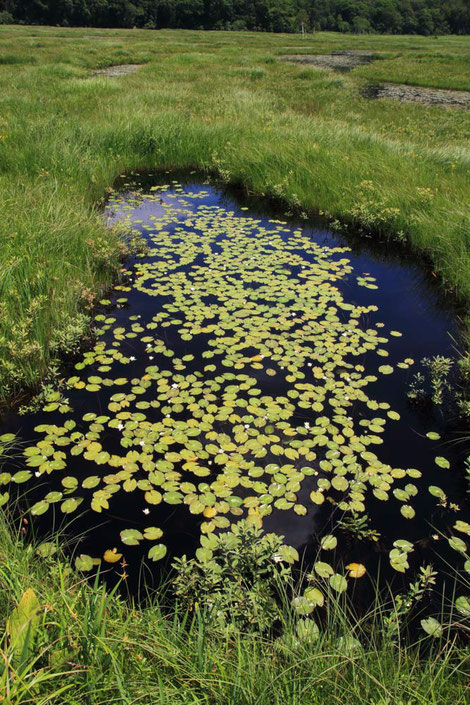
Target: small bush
column 237, row 578
column 69, row 339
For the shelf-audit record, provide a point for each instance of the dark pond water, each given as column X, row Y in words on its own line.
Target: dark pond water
column 254, row 363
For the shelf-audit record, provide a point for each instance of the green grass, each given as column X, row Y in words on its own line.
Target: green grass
column 435, row 69
column 86, row 646
column 221, row 102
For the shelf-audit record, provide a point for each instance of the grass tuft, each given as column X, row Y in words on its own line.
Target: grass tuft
column 83, row 644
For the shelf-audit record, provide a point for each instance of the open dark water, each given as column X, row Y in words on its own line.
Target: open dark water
column 407, row 301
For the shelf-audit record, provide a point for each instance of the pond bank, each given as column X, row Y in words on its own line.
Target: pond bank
column 88, row 644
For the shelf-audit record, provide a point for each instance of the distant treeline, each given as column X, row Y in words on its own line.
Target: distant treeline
column 360, row 16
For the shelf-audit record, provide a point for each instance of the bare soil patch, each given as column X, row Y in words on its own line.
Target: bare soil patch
column 117, row 70
column 338, row 61
column 417, row 94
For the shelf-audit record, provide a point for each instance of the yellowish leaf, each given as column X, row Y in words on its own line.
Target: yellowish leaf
column 112, row 556
column 356, row 570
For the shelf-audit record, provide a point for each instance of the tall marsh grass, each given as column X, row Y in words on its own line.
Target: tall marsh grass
column 68, row 640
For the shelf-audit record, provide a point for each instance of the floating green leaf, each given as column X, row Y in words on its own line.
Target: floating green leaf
column 157, row 552
column 131, row 537
column 432, row 627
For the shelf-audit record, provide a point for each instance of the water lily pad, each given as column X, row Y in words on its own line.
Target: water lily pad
column 39, row 508
column 157, row 552
column 70, row 505
column 131, row 537
column 442, row 462
column 112, row 556
column 314, row 595
column 432, row 627
column 46, row 549
column 329, row 542
column 356, row 570
column 338, row 583
column 407, row 511
column 152, row 533
column 457, row 544
column 84, row 562
column 462, row 605
column 324, row 570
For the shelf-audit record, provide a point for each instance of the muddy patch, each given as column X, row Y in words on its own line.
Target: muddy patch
column 416, row 94
column 337, row 61
column 118, row 70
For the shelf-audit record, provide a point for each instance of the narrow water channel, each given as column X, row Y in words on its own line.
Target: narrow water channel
column 249, row 364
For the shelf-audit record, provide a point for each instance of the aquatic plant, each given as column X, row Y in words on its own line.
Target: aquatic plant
column 358, row 526
column 439, row 368
column 239, row 578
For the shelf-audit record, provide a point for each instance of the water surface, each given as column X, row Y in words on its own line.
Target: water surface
column 250, row 364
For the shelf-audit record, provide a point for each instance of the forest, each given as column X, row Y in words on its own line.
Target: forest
column 427, row 17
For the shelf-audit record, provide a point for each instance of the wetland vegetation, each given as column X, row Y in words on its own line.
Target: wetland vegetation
column 185, row 364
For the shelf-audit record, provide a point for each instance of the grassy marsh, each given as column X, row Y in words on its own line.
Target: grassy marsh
column 221, row 102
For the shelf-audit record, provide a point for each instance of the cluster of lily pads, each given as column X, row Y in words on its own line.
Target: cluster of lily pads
column 247, row 380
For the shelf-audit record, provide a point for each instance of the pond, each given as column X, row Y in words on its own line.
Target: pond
column 249, row 364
